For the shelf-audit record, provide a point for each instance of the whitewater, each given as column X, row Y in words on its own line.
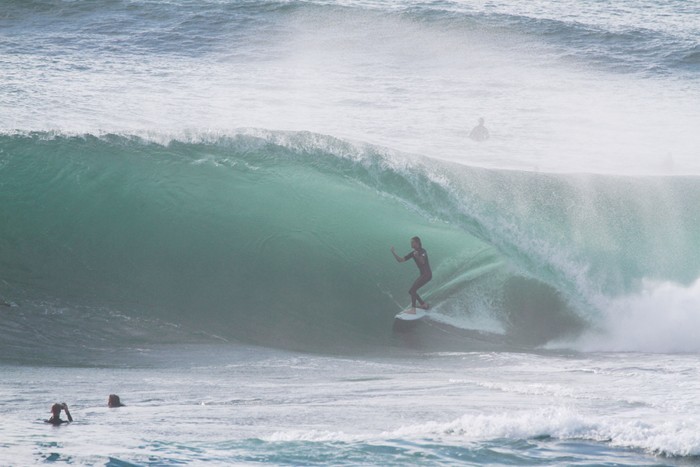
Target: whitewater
column 197, row 201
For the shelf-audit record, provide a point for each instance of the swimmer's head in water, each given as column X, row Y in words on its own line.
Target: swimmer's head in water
column 56, row 410
column 114, row 401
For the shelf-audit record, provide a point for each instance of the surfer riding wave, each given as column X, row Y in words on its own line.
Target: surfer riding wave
column 420, row 256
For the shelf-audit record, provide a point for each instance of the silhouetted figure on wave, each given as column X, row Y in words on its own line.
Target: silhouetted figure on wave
column 479, row 132
column 420, row 256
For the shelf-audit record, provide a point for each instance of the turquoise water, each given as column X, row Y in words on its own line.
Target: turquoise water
column 197, row 201
column 282, row 240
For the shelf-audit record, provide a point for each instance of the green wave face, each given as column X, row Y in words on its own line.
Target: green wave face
column 283, row 239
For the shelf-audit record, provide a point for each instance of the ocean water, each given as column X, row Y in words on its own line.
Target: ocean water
column 197, row 200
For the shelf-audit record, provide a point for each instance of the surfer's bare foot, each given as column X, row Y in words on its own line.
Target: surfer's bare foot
column 424, row 306
column 411, row 311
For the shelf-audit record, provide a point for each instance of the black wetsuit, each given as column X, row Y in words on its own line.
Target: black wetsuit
column 56, row 415
column 56, row 421
column 420, row 256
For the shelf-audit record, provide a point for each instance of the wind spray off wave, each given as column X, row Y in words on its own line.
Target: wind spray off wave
column 571, row 87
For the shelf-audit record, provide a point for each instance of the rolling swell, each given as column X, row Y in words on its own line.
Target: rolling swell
column 591, row 32
column 282, row 239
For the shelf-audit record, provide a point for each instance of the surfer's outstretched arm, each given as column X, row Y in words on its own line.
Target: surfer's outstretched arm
column 398, row 258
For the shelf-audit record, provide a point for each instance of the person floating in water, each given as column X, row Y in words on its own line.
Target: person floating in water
column 56, row 414
column 114, row 401
column 420, row 256
column 479, row 132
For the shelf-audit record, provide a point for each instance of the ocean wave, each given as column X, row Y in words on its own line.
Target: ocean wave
column 282, row 238
column 657, row 437
column 672, row 438
column 624, row 36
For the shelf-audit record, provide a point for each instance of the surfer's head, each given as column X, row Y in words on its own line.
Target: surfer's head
column 415, row 243
column 56, row 409
column 114, row 401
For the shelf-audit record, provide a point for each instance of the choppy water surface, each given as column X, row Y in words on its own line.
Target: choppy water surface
column 225, row 405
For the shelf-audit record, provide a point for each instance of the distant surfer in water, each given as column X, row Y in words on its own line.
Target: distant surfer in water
column 479, row 132
column 113, row 401
column 420, row 256
column 56, row 414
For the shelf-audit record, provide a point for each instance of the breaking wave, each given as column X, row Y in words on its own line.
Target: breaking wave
column 283, row 239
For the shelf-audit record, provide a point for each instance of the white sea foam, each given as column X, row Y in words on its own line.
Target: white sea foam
column 663, row 317
column 671, row 437
column 659, row 437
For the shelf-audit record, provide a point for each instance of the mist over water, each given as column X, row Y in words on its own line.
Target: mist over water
column 591, row 90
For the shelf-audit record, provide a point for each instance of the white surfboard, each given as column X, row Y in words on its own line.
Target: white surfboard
column 405, row 316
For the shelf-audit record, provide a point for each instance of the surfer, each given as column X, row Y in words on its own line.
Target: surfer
column 56, row 414
column 114, row 401
column 479, row 132
column 420, row 256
